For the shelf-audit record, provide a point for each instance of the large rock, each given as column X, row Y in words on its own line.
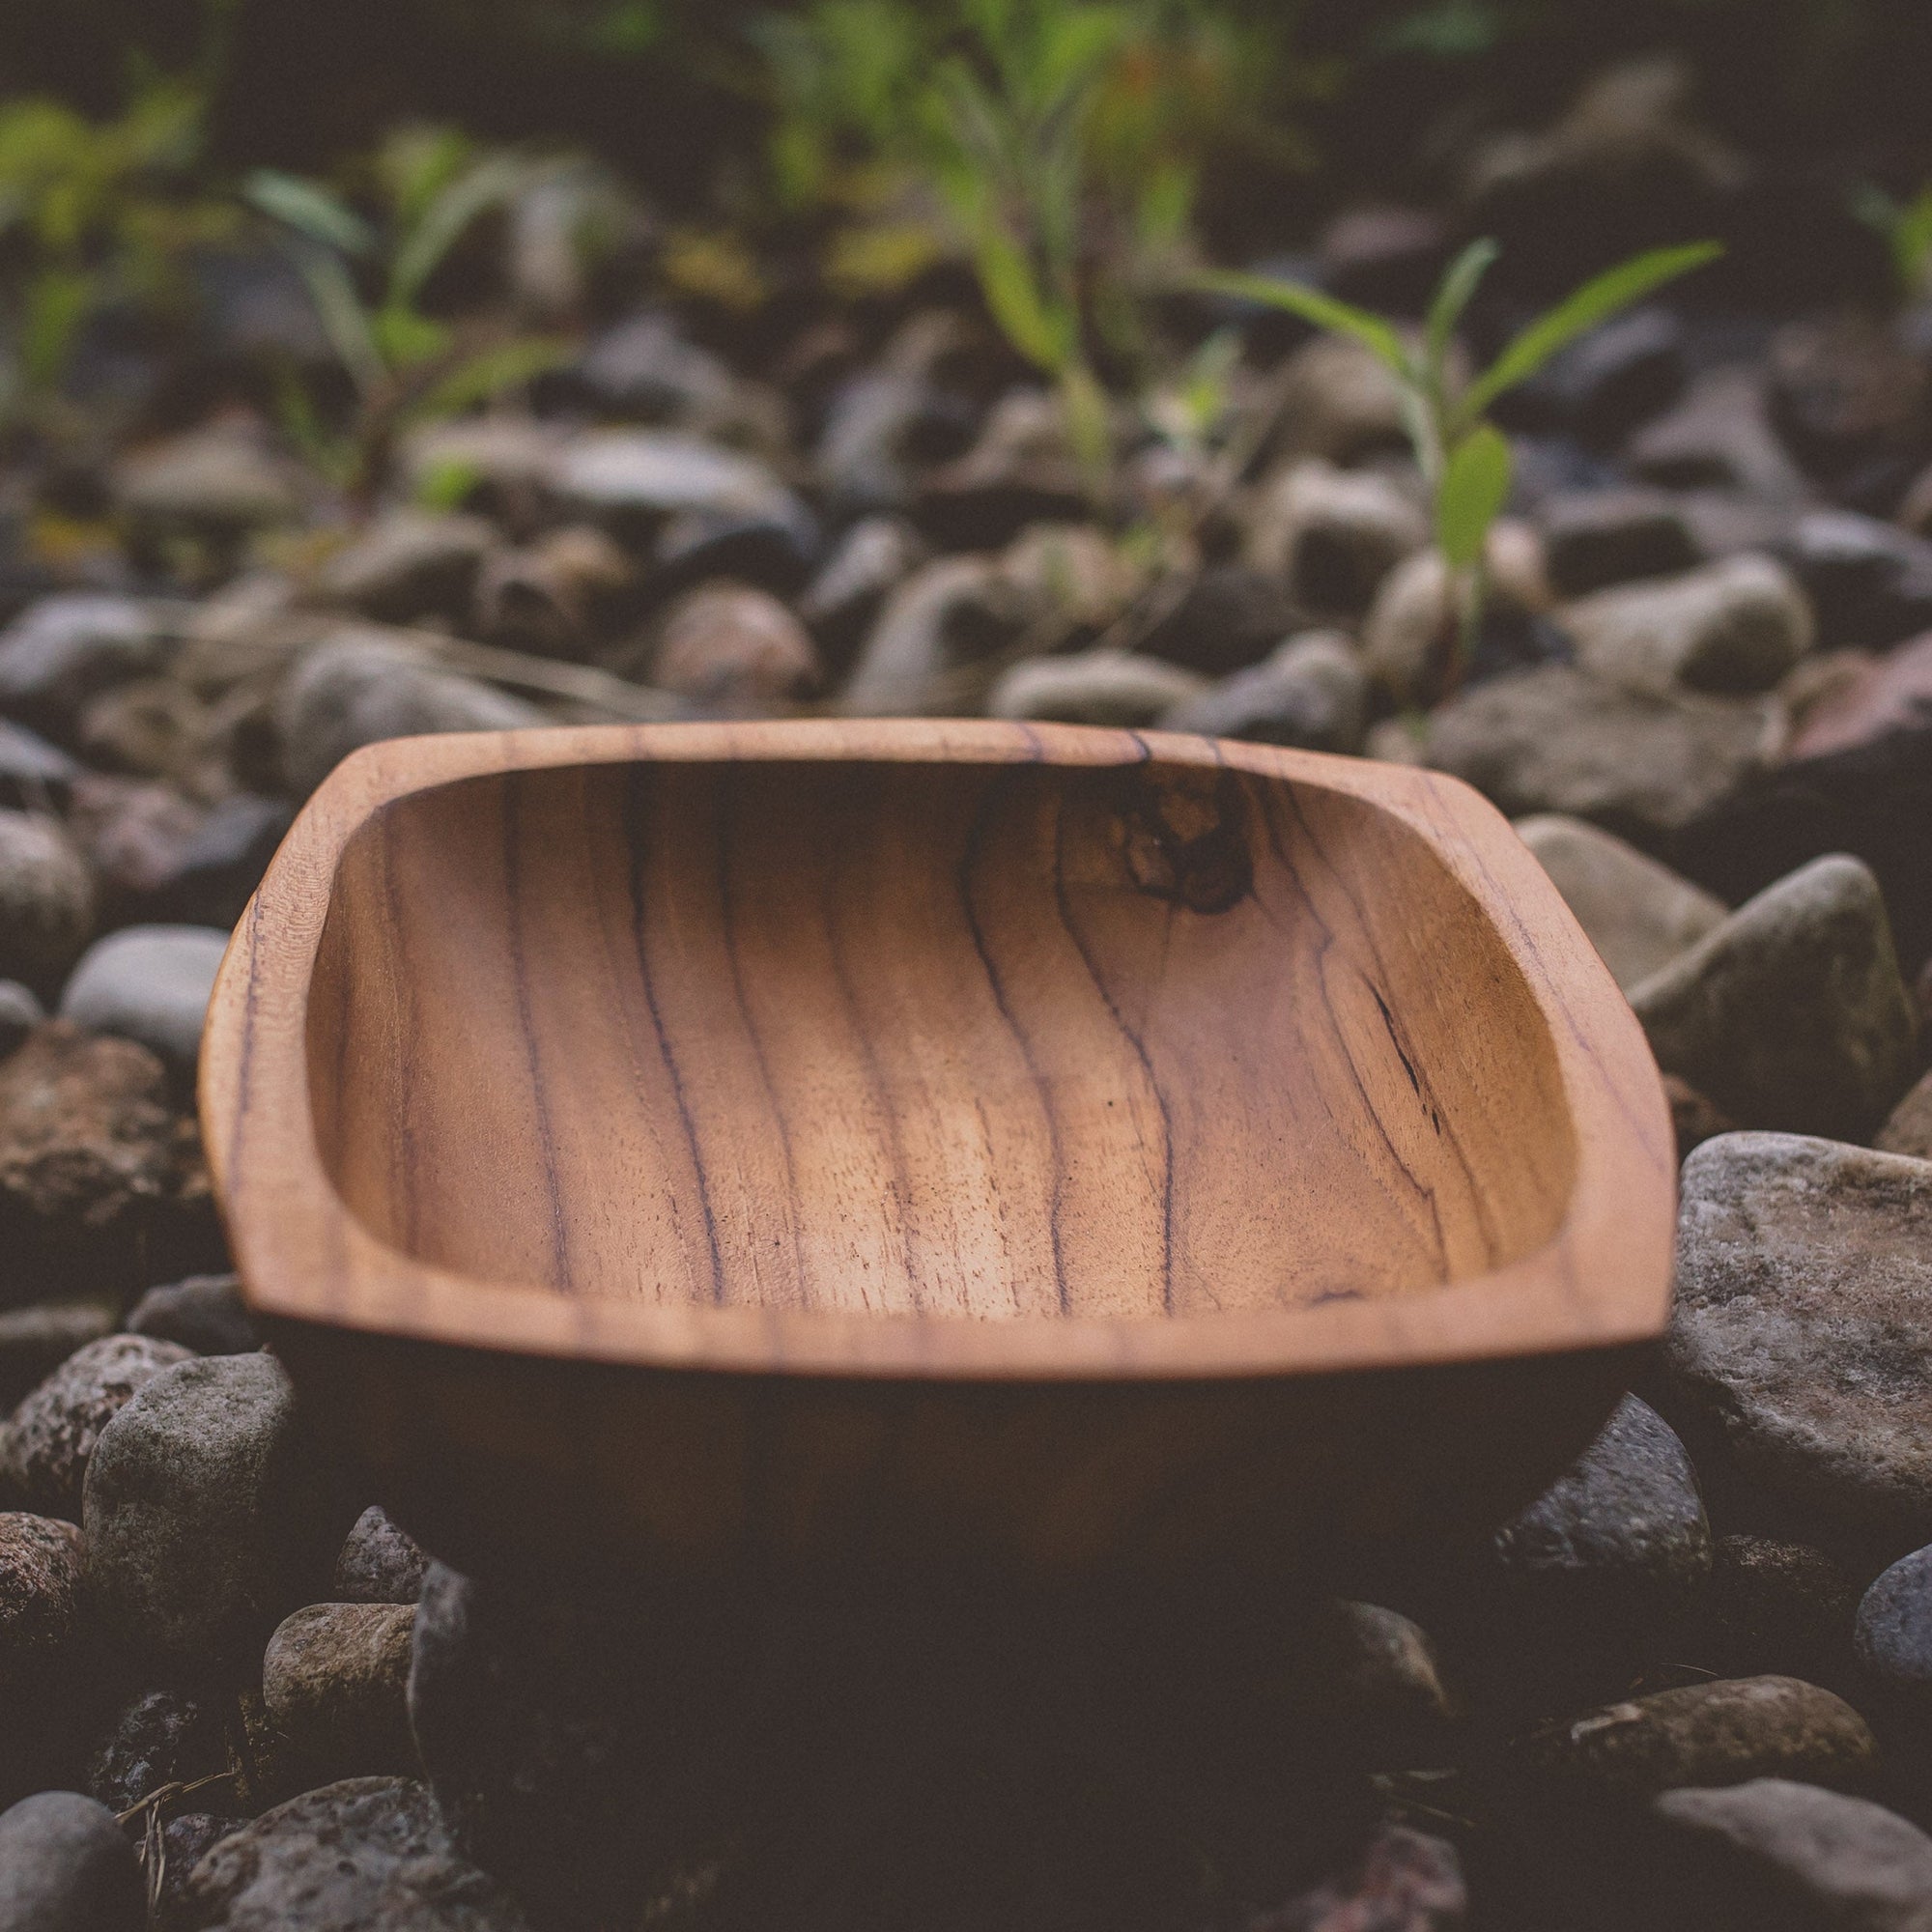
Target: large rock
column 1772, row 1851
column 1638, row 914
column 1895, row 1632
column 1733, row 627
column 1792, row 1013
column 40, row 1596
column 1332, row 536
column 150, row 983
column 1097, row 687
column 409, row 565
column 1554, row 739
column 368, row 1854
column 1724, row 1732
column 55, row 1428
column 1872, row 800
column 358, row 690
column 46, row 899
column 1797, row 1366
column 67, row 1866
column 209, row 1512
column 931, row 647
column 731, row 644
column 379, row 1563
column 1312, row 692
column 101, row 1187
column 336, row 1685
column 59, row 652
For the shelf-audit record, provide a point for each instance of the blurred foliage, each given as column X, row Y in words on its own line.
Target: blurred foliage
column 96, row 213
column 368, row 269
column 1907, row 229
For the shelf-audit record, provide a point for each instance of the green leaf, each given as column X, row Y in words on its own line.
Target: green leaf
column 1475, row 485
column 1323, row 311
column 1594, row 302
column 339, row 308
column 1012, row 294
column 57, row 303
column 1457, row 286
column 478, row 378
column 310, row 210
column 407, row 339
column 447, row 219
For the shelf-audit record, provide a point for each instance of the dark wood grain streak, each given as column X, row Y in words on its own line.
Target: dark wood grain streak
column 830, row 1142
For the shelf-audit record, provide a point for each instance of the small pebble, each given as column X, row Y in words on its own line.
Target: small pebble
column 379, row 1563
column 1893, row 1634
column 205, row 1314
column 335, row 1686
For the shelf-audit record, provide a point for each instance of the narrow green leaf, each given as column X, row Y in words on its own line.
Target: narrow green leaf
column 487, row 374
column 1453, row 295
column 447, row 218
column 1475, row 485
column 1323, row 311
column 310, row 210
column 339, row 309
column 57, row 303
column 1594, row 302
column 1012, row 294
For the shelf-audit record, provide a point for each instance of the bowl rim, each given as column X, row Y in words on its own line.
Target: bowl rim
column 1602, row 1279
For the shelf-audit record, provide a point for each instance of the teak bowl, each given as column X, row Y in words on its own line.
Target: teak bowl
column 838, row 1144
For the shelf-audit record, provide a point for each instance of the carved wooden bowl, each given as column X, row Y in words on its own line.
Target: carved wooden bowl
column 843, row 1144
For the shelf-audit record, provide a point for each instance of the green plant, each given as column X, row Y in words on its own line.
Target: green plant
column 1060, row 145
column 1907, row 229
column 368, row 279
column 1463, row 458
column 98, row 213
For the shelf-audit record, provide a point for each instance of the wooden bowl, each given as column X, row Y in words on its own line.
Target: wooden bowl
column 832, row 1144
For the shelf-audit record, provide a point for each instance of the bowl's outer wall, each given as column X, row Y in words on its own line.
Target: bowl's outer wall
column 503, row 1422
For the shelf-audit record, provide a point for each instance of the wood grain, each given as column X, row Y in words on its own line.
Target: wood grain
column 818, row 1075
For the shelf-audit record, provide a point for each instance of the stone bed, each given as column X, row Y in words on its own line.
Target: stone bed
column 1690, row 1686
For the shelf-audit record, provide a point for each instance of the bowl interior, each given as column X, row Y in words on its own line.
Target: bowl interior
column 939, row 1039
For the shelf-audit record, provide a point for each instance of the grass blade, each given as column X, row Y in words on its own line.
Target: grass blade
column 1323, row 311
column 1475, row 485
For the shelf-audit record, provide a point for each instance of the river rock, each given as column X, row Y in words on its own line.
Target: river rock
column 379, row 1563
column 1312, row 692
column 1594, row 538
column 357, row 690
column 1796, row 1365
column 840, row 602
column 552, row 597
column 1791, row 1014
column 36, row 1340
column 1870, row 582
column 1332, row 536
column 643, row 369
column 634, row 475
column 1097, row 687
column 205, row 1314
column 98, row 1181
column 67, row 1866
column 1339, row 403
column 731, row 644
column 408, row 565
column 1723, row 1732
column 220, row 481
column 1775, row 1852
column 41, row 1565
column 46, row 899
column 367, row 1855
column 160, row 1738
column 1405, row 1880
column 1893, row 1634
column 61, row 650
column 35, row 776
column 1223, row 619
column 1775, row 1605
column 1872, row 699
column 209, row 1510
column 1720, row 439
column 1870, row 799
column 1555, row 739
column 1638, row 914
column 1907, row 1127
column 20, row 1013
column 149, row 983
column 930, row 650
column 335, row 1686
column 55, row 1429
column 1733, row 627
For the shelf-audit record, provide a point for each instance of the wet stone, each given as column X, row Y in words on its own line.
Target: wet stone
column 1797, row 1366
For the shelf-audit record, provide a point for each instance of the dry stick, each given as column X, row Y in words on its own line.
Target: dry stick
column 154, row 1852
